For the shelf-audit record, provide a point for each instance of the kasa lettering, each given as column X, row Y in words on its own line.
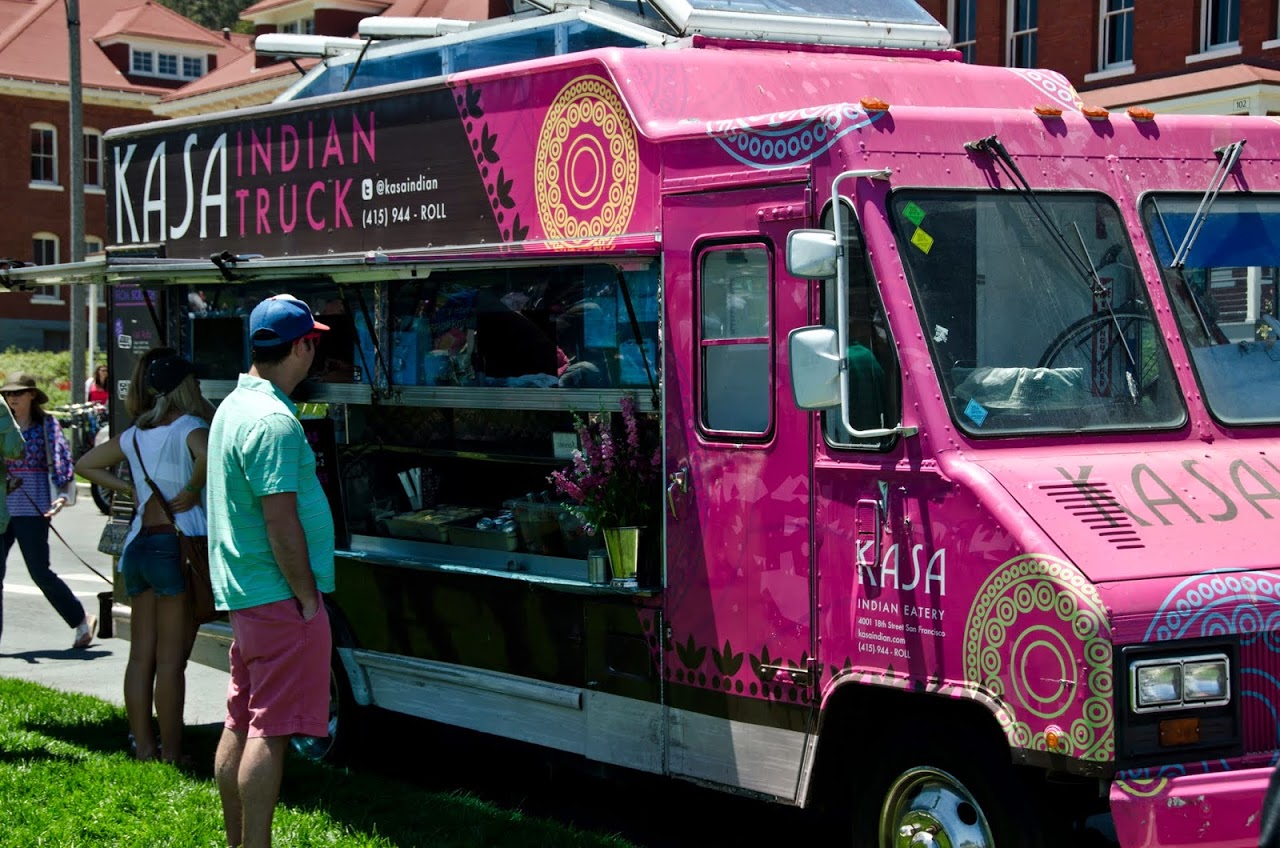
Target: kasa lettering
column 1194, row 498
column 271, row 179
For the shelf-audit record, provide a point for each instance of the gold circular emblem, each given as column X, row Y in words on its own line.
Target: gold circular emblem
column 586, row 166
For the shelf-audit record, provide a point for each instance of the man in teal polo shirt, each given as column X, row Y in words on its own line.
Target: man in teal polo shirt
column 270, row 559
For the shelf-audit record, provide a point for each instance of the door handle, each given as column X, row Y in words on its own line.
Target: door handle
column 869, row 521
column 677, row 480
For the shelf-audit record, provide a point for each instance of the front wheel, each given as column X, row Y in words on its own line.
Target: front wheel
column 950, row 795
column 101, row 498
column 346, row 720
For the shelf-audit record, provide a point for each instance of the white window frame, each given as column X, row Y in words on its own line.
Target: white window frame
column 970, row 47
column 161, row 59
column 52, row 156
column 46, row 294
column 153, row 55
column 300, row 26
column 94, row 244
column 93, row 162
column 1105, row 15
column 1033, row 34
column 1207, row 9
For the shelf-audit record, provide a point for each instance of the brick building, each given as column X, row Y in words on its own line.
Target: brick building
column 133, row 52
column 1201, row 56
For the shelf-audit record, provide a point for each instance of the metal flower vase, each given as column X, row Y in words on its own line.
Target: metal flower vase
column 623, row 544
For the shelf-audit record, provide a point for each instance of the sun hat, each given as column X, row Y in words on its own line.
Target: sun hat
column 20, row 381
column 167, row 373
column 281, row 320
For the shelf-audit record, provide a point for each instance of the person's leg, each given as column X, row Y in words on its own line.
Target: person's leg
column 33, row 539
column 140, row 673
column 261, row 770
column 172, row 617
column 226, row 770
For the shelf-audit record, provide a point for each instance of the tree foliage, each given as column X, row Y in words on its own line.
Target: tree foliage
column 214, row 14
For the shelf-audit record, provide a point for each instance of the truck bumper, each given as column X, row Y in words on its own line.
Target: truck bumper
column 1223, row 809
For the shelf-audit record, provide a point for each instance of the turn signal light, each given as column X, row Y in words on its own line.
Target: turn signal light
column 1179, row 731
column 874, row 104
column 1094, row 113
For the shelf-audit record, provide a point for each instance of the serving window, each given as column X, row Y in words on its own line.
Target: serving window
column 735, row 309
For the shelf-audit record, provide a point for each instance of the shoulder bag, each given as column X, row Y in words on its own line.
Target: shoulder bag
column 194, row 551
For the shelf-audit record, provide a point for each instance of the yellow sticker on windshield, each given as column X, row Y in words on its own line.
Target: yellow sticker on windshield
column 922, row 240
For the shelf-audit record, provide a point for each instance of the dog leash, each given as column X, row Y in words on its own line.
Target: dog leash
column 49, row 521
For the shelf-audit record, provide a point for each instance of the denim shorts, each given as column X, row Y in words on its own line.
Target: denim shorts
column 153, row 562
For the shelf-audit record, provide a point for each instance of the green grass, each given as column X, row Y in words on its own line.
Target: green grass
column 52, row 370
column 67, row 780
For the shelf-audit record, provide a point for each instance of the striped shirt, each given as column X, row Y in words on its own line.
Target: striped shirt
column 256, row 448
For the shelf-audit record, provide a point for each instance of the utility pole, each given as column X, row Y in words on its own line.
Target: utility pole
column 76, row 141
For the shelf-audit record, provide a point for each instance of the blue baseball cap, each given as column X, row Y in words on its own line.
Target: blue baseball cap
column 282, row 319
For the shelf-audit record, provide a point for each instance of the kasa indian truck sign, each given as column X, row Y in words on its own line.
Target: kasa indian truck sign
column 969, row 397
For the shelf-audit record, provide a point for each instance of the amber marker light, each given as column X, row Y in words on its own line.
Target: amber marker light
column 1053, row 737
column 1179, row 731
column 1094, row 113
column 1046, row 111
column 1141, row 113
column 874, row 104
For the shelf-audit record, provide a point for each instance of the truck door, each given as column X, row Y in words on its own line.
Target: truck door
column 738, row 591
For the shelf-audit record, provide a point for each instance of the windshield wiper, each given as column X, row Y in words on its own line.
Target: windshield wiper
column 1102, row 295
column 992, row 145
column 1227, row 158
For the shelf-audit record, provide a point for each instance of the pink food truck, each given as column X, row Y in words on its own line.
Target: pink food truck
column 966, row 398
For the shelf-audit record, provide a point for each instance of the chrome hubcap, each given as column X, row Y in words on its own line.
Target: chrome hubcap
column 928, row 808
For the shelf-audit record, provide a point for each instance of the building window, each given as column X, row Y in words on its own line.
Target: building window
column 143, row 62
column 44, row 154
column 302, row 26
column 92, row 245
column 44, row 251
column 168, row 65
column 1022, row 33
column 92, row 159
column 1116, row 39
column 963, row 16
column 1219, row 24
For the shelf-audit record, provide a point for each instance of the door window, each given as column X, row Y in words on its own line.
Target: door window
column 736, row 372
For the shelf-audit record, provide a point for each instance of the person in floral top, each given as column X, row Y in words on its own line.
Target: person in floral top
column 35, row 502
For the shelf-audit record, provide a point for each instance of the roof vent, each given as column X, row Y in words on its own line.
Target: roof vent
column 1098, row 509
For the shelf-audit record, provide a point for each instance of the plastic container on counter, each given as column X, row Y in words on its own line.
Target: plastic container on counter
column 539, row 524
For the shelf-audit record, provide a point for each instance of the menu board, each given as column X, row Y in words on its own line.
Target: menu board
column 133, row 332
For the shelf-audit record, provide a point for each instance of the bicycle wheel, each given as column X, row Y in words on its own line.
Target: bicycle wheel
column 1097, row 343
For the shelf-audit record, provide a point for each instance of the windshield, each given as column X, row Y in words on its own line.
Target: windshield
column 1026, row 339
column 1224, row 297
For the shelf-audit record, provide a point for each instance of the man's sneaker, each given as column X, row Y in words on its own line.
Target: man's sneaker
column 84, row 632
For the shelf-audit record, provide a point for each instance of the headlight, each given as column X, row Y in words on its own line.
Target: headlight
column 1159, row 685
column 1205, row 681
column 1171, row 683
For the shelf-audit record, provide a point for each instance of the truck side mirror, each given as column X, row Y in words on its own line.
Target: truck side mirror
column 815, row 367
column 811, row 254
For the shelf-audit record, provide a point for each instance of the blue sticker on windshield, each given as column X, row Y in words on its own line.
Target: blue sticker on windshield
column 976, row 412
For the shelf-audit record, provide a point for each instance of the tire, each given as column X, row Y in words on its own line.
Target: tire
column 101, row 498
column 346, row 723
column 944, row 792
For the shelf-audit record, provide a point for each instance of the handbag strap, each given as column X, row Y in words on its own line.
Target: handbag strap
column 164, row 504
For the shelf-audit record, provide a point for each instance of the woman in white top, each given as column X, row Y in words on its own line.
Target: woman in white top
column 172, row 438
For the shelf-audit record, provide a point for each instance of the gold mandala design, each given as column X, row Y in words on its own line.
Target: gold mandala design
column 587, row 166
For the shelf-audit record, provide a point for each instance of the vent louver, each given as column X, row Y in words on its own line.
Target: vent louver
column 1097, row 508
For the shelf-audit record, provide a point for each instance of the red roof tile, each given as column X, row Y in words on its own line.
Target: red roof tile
column 33, row 45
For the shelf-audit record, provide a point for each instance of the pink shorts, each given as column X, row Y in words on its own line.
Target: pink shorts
column 279, row 671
